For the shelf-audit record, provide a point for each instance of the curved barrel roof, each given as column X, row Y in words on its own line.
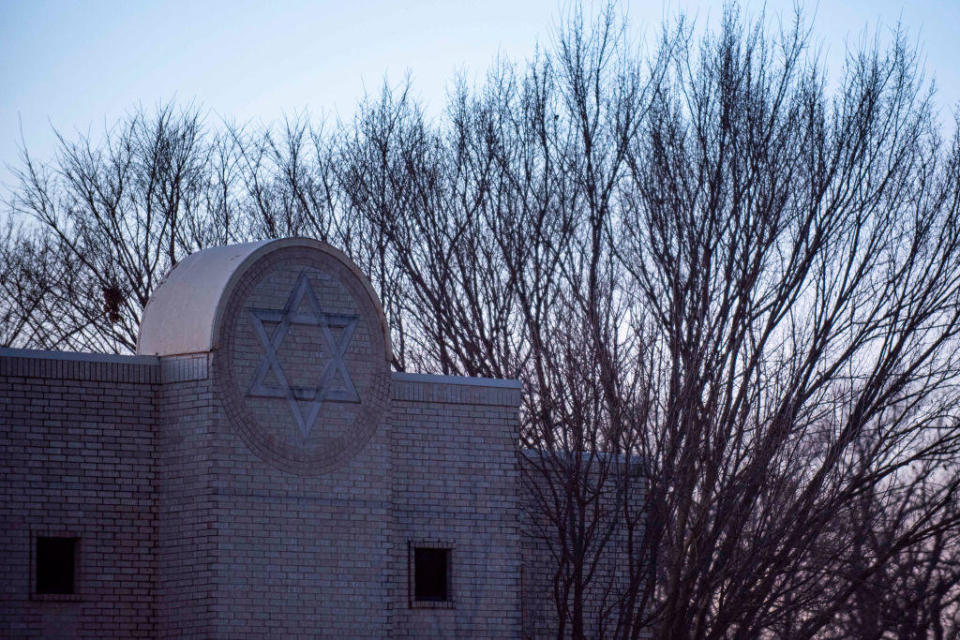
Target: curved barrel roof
column 183, row 313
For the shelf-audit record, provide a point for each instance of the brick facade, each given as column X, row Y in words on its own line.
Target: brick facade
column 77, row 458
column 260, row 473
column 454, row 483
column 185, row 532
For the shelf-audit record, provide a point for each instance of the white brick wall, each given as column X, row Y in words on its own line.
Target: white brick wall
column 77, row 447
column 187, row 533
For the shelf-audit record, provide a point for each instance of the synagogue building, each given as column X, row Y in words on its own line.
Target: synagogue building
column 257, row 471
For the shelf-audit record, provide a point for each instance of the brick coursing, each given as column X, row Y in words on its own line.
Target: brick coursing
column 185, row 532
column 455, row 481
column 78, row 444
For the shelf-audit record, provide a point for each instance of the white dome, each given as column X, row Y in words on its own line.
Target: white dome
column 184, row 312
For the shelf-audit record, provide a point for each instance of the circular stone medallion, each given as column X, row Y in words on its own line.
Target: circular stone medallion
column 302, row 359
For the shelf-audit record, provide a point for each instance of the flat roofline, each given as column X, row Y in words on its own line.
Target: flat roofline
column 400, row 376
column 76, row 356
column 497, row 383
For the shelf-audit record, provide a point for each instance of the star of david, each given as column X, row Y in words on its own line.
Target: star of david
column 304, row 402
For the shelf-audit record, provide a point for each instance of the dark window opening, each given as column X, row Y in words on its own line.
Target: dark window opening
column 431, row 574
column 56, row 565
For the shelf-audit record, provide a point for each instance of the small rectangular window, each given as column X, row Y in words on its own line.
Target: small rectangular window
column 56, row 565
column 431, row 575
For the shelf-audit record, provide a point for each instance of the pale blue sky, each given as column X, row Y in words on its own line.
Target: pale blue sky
column 79, row 65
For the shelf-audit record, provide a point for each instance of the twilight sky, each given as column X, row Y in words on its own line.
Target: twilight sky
column 78, row 66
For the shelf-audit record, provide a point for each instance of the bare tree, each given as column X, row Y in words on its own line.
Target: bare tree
column 733, row 298
column 121, row 213
column 26, row 277
column 801, row 263
column 710, row 266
